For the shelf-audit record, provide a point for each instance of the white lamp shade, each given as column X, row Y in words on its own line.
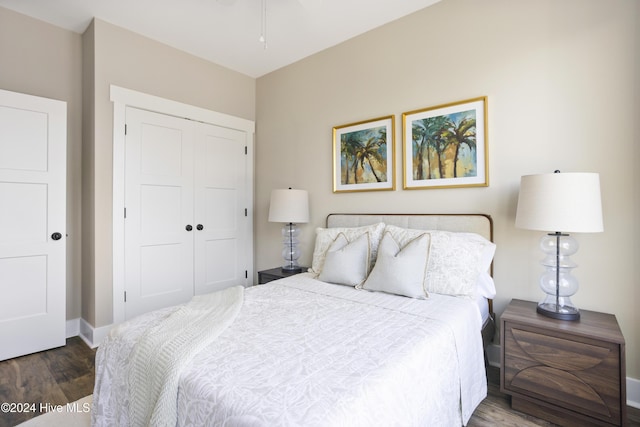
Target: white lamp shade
column 564, row 202
column 289, row 206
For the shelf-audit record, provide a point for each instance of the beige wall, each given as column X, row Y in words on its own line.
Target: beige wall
column 43, row 60
column 126, row 59
column 88, row 166
column 562, row 80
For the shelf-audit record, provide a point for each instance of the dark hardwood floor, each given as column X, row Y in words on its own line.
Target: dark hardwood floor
column 66, row 374
column 57, row 377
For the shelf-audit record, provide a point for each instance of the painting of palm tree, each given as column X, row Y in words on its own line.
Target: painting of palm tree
column 363, row 155
column 445, row 146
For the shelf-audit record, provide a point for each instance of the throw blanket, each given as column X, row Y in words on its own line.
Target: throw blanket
column 162, row 353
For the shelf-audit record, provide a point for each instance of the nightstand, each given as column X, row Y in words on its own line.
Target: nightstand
column 266, row 276
column 571, row 373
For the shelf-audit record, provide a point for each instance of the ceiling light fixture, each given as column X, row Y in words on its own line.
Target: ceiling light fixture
column 263, row 24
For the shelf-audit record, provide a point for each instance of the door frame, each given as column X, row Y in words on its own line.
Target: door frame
column 123, row 98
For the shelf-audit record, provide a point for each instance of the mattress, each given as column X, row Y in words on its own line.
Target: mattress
column 305, row 352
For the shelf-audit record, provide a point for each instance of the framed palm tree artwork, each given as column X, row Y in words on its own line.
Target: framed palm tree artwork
column 446, row 146
column 363, row 156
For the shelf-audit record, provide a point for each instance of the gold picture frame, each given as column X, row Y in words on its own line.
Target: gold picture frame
column 446, row 146
column 363, row 156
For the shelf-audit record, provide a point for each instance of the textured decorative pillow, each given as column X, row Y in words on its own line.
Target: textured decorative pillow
column 347, row 263
column 400, row 270
column 403, row 235
column 326, row 236
column 456, row 261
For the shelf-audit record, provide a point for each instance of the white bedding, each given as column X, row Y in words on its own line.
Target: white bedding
column 483, row 306
column 304, row 352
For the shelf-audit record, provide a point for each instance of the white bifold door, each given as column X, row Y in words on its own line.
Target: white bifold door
column 185, row 210
column 33, row 133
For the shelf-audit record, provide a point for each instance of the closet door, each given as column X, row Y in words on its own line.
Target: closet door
column 159, row 226
column 33, row 137
column 220, row 203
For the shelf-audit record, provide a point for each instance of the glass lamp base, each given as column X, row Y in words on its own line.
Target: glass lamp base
column 291, row 269
column 290, row 251
column 561, row 312
column 557, row 282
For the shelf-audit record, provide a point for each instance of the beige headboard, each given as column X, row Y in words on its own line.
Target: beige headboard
column 470, row 223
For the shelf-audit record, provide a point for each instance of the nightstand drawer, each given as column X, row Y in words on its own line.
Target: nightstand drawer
column 576, row 373
column 266, row 276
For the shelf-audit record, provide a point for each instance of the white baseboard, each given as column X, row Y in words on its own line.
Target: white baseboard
column 73, row 328
column 633, row 392
column 633, row 384
column 93, row 336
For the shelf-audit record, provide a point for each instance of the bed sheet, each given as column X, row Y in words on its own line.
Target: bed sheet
column 483, row 307
column 304, row 352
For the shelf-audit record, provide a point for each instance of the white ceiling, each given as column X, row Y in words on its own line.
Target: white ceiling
column 226, row 31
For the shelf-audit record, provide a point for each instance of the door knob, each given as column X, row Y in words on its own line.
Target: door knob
column 200, row 227
column 188, row 227
column 56, row 236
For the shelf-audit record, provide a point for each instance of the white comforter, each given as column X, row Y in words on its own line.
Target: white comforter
column 306, row 353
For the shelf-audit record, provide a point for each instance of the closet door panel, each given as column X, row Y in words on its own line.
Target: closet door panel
column 219, row 268
column 159, row 208
column 221, row 211
column 220, row 203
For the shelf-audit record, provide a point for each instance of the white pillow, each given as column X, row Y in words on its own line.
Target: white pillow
column 347, row 263
column 486, row 287
column 326, row 236
column 456, row 260
column 400, row 270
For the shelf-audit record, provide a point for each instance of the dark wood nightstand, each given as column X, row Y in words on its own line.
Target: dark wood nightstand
column 266, row 276
column 571, row 373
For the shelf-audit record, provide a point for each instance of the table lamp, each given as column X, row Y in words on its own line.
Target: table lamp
column 290, row 207
column 559, row 203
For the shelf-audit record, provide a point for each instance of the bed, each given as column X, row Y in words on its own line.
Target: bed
column 306, row 351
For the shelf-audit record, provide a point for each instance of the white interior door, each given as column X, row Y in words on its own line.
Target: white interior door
column 220, row 208
column 33, row 137
column 159, row 224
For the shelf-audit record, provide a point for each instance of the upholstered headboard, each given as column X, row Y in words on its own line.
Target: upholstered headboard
column 470, row 223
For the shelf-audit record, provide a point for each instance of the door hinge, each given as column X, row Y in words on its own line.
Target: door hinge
column 125, row 296
column 245, row 150
column 125, row 213
column 246, row 274
column 125, row 129
column 245, row 212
